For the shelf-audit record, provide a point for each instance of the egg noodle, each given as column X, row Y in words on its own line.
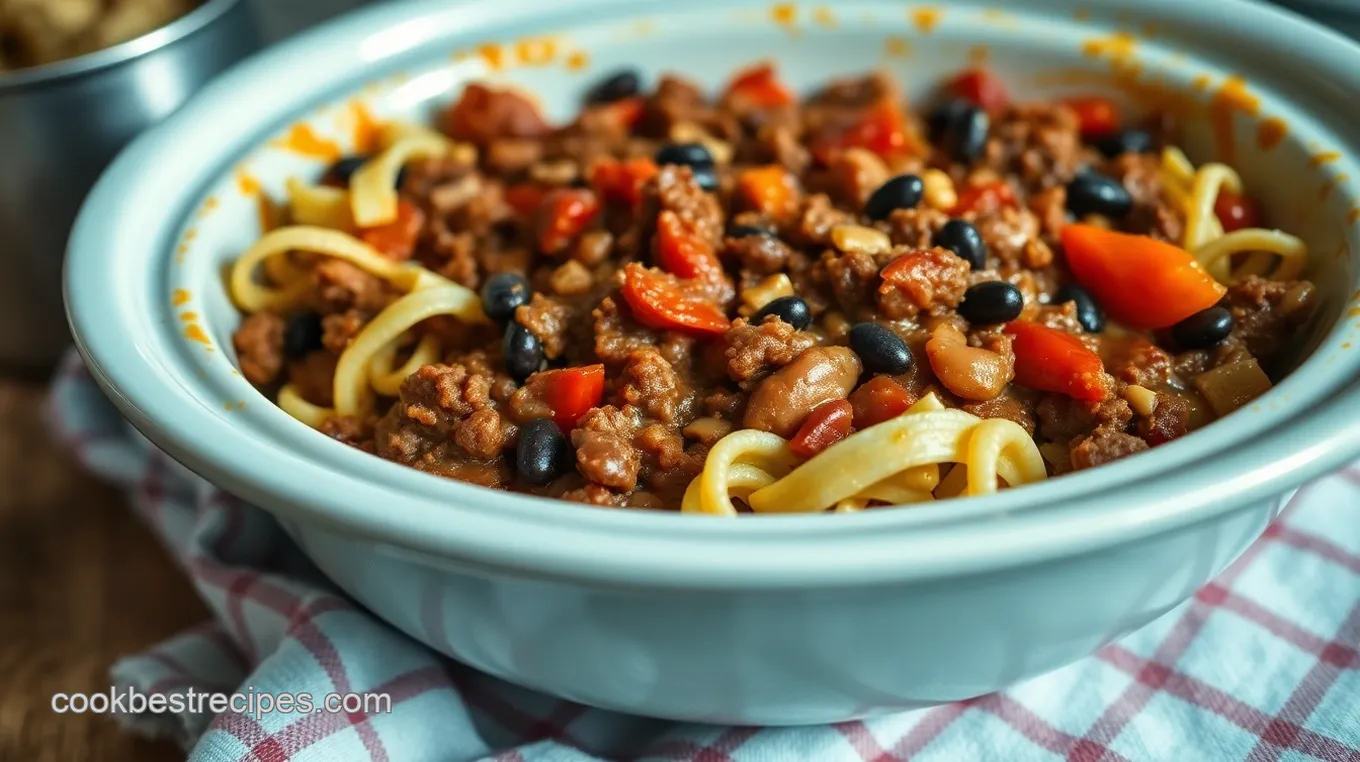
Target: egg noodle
column 1268, row 253
column 896, row 462
column 324, row 219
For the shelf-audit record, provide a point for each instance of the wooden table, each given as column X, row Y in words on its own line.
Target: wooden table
column 82, row 582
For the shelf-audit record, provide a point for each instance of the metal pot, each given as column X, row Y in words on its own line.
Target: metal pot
column 60, row 125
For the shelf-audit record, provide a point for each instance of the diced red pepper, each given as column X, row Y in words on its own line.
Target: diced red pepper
column 826, row 425
column 658, row 301
column 524, row 198
column 625, row 112
column 572, row 392
column 983, row 199
column 620, row 182
column 882, row 130
column 1055, row 361
column 1140, row 281
column 1096, row 115
column 1236, row 211
column 758, row 87
column 981, row 87
column 563, row 215
column 682, row 252
column 483, row 114
column 878, row 400
column 770, row 190
column 396, row 240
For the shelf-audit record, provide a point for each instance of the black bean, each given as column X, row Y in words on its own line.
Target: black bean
column 901, row 192
column 617, row 86
column 522, row 350
column 942, row 116
column 881, row 350
column 1088, row 312
column 1204, row 329
column 1094, row 193
column 960, row 237
column 1124, row 141
column 686, row 154
column 991, row 301
column 344, row 169
column 503, row 294
column 966, row 135
column 790, row 309
column 706, row 178
column 747, row 231
column 542, row 453
column 302, row 335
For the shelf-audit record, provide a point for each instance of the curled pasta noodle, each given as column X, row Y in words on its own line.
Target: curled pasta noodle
column 319, row 205
column 1293, row 253
column 353, row 395
column 292, row 403
column 741, row 463
column 876, row 453
column 387, row 381
column 1266, row 253
column 1002, row 448
column 251, row 296
column 373, row 193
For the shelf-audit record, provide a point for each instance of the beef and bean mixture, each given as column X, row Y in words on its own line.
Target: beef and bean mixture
column 671, row 267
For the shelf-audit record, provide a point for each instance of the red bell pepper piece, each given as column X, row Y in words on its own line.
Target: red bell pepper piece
column 981, row 87
column 983, row 199
column 882, row 130
column 682, row 252
column 625, row 112
column 563, row 215
column 769, row 190
column 878, row 400
column 1096, row 115
column 759, row 87
column 571, row 392
column 396, row 240
column 1055, row 361
column 826, row 425
column 1142, row 282
column 620, row 182
column 658, row 301
column 1237, row 211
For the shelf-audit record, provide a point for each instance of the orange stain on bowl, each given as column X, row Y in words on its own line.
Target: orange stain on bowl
column 492, row 54
column 978, row 55
column 1231, row 98
column 998, row 16
column 247, row 184
column 188, row 317
column 179, row 297
column 193, row 332
column 366, row 130
column 1201, row 82
column 896, row 47
column 926, row 19
column 1353, row 312
column 536, row 51
column 190, row 234
column 302, row 139
column 823, row 16
column 1270, row 132
column 1118, row 46
column 1325, row 157
column 209, row 204
column 784, row 14
column 577, row 60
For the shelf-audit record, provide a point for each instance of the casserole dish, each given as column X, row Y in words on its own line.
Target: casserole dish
column 777, row 620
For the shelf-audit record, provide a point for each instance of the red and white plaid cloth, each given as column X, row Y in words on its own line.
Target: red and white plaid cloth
column 1261, row 665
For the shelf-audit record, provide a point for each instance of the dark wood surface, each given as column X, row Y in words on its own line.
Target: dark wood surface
column 82, row 582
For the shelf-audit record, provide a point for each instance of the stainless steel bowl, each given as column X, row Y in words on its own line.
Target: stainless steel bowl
column 60, row 125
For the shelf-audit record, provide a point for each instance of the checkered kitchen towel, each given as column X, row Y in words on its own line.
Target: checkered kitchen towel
column 1261, row 665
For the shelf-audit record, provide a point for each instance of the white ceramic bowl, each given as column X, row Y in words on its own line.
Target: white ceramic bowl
column 777, row 620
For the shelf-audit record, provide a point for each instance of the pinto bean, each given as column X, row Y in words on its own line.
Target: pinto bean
column 817, row 375
column 970, row 372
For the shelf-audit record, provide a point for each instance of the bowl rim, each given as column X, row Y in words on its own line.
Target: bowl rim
column 542, row 538
column 202, row 16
